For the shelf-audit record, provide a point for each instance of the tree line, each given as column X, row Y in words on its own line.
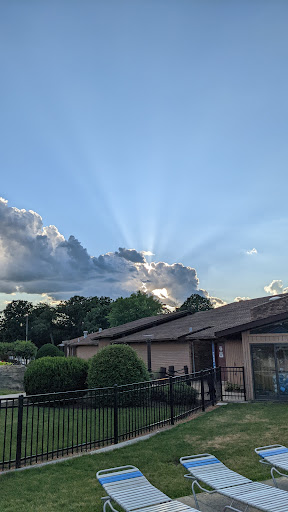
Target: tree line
column 44, row 323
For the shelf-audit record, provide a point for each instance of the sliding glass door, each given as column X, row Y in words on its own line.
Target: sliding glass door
column 270, row 371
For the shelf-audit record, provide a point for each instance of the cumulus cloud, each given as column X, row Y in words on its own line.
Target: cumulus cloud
column 252, row 252
column 239, row 299
column 217, row 303
column 37, row 259
column 275, row 287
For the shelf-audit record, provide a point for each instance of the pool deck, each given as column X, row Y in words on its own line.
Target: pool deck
column 216, row 502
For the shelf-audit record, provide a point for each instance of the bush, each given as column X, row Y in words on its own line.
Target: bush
column 55, row 374
column 20, row 348
column 182, row 394
column 49, row 350
column 116, row 364
column 6, row 350
column 24, row 349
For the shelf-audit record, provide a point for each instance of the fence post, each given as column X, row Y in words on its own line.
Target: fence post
column 19, row 430
column 244, row 384
column 115, row 414
column 171, row 400
column 202, row 391
column 221, row 390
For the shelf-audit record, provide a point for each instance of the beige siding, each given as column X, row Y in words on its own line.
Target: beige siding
column 247, row 340
column 85, row 351
column 165, row 354
column 234, row 353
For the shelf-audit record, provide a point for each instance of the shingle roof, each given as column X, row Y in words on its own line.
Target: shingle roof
column 205, row 324
column 210, row 324
column 130, row 327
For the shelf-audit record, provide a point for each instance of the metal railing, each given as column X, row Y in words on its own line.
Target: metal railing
column 233, row 383
column 43, row 427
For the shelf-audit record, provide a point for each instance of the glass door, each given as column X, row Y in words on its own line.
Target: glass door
column 270, row 371
column 264, row 371
column 281, row 353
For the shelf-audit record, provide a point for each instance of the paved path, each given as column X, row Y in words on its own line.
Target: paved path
column 13, row 395
column 216, row 502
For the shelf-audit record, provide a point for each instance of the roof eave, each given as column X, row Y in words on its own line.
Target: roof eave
column 252, row 324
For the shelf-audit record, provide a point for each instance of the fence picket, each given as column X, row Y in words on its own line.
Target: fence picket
column 57, row 424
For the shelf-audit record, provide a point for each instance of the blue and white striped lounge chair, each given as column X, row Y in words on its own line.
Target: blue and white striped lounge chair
column 208, row 469
column 274, row 455
column 128, row 487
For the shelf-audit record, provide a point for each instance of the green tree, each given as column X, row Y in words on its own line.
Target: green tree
column 196, row 303
column 13, row 320
column 24, row 349
column 42, row 320
column 138, row 305
column 79, row 313
column 98, row 314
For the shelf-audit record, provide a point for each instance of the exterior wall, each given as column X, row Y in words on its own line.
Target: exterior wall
column 234, row 353
column 86, row 351
column 247, row 340
column 165, row 353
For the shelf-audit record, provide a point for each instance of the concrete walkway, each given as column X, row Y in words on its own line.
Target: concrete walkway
column 216, row 502
column 13, row 395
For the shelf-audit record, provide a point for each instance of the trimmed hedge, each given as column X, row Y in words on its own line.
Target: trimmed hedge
column 49, row 350
column 182, row 394
column 116, row 364
column 55, row 374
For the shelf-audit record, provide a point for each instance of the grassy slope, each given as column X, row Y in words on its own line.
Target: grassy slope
column 231, row 433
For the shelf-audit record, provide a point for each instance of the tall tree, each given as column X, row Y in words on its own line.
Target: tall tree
column 13, row 320
column 42, row 328
column 196, row 303
column 138, row 305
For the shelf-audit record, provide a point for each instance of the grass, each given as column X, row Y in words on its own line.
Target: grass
column 231, row 433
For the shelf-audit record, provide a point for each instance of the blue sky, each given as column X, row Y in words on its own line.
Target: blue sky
column 154, row 125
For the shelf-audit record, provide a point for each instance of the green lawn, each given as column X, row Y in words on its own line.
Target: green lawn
column 230, row 432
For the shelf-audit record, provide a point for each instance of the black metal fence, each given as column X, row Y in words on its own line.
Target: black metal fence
column 43, row 427
column 233, row 383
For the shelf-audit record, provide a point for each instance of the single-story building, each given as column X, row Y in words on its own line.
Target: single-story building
column 252, row 334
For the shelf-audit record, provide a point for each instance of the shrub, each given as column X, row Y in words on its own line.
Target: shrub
column 6, row 350
column 182, row 394
column 49, row 350
column 116, row 364
column 20, row 348
column 55, row 374
column 24, row 349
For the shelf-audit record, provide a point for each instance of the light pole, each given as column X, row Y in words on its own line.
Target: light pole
column 26, row 327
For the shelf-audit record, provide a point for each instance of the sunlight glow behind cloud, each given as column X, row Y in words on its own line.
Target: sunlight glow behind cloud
column 37, row 259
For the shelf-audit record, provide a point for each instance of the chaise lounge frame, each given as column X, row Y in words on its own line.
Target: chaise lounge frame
column 130, row 489
column 275, row 455
column 209, row 470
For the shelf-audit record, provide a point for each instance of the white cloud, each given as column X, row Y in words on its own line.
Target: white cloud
column 252, row 251
column 275, row 287
column 239, row 299
column 37, row 259
column 217, row 303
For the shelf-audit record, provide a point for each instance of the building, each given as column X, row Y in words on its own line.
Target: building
column 251, row 333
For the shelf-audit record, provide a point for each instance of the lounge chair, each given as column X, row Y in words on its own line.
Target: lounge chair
column 128, row 487
column 274, row 455
column 208, row 469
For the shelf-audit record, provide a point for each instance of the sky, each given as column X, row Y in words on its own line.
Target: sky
column 143, row 145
